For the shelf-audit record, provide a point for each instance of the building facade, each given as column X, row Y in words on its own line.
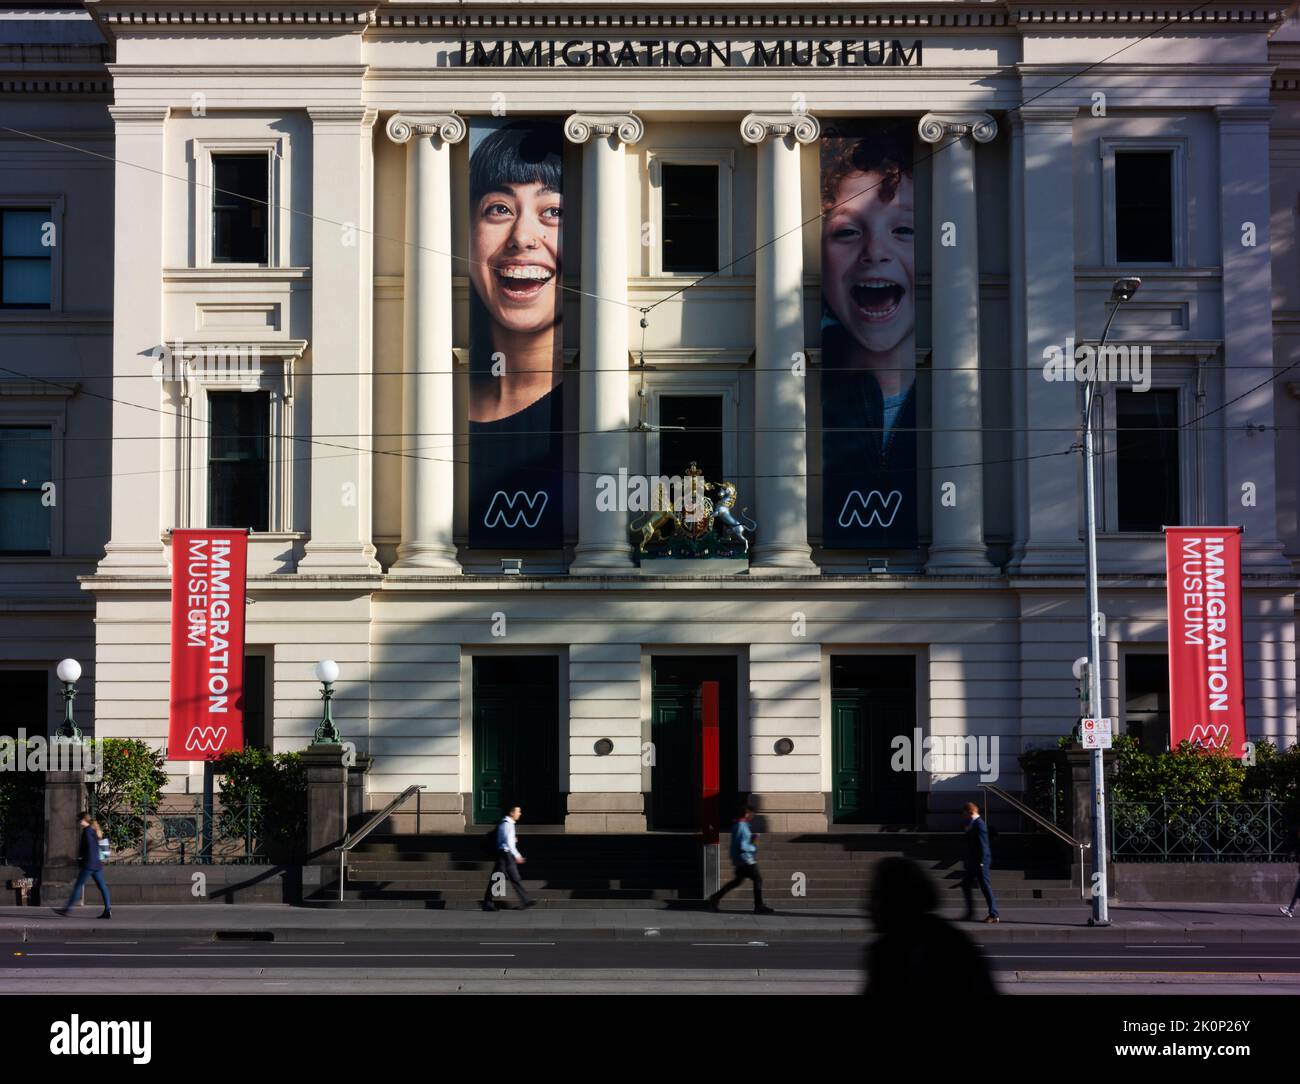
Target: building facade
column 303, row 250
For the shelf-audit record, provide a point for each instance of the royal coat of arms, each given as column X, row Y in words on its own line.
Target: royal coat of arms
column 699, row 521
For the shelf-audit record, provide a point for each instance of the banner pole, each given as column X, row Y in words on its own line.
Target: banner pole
column 205, row 850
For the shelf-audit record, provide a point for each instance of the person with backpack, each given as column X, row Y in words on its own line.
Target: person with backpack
column 744, row 857
column 508, row 861
column 91, row 862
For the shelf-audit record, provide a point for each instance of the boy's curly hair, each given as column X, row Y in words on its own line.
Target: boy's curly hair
column 887, row 151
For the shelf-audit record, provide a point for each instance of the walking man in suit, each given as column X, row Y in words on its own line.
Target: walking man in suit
column 977, row 860
column 508, row 861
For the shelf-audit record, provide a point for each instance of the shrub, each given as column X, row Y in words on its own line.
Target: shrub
column 265, row 795
column 129, row 789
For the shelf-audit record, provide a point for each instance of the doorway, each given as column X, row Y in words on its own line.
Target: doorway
column 676, row 721
column 515, row 709
column 873, row 700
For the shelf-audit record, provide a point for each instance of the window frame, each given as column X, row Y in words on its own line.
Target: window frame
column 54, row 207
column 274, row 374
column 1185, row 387
column 1126, row 652
column 1177, row 148
column 686, row 384
column 276, row 149
column 40, row 416
column 725, row 161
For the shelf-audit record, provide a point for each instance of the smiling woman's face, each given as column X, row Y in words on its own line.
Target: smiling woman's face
column 515, row 254
column 868, row 260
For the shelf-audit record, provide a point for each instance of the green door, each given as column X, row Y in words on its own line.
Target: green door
column 848, row 762
column 675, row 730
column 516, row 718
column 873, row 701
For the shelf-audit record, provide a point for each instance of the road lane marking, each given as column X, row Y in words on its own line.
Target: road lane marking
column 286, row 955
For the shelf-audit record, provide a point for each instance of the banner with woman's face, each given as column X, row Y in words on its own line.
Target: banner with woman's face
column 868, row 381
column 516, row 392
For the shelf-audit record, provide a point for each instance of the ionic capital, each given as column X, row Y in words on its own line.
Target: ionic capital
column 756, row 127
column 935, row 127
column 581, row 127
column 449, row 127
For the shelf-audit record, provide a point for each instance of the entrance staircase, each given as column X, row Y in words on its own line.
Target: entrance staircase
column 663, row 869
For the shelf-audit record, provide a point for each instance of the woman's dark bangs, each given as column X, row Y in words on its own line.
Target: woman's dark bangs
column 515, row 156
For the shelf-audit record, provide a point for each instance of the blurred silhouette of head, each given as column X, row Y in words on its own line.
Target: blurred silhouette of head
column 900, row 892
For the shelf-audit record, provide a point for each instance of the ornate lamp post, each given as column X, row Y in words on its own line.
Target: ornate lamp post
column 69, row 671
column 327, row 672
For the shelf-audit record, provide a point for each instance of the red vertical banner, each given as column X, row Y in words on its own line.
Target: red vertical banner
column 209, row 577
column 1207, row 700
column 710, row 763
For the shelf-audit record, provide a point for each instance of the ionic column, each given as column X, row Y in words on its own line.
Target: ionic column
column 957, row 489
column 780, row 410
column 604, row 383
column 428, row 417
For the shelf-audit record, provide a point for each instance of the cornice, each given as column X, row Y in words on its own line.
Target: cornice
column 82, row 85
column 789, row 16
column 135, row 14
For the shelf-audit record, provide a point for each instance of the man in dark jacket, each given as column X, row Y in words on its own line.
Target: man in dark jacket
column 91, row 866
column 977, row 860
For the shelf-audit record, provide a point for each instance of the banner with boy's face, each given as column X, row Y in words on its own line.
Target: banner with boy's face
column 516, row 400
column 868, row 371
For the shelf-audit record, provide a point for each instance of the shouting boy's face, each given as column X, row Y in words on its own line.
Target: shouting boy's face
column 868, row 259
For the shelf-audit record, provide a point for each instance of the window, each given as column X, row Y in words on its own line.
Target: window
column 24, row 469
column 1146, row 700
column 240, row 197
column 255, row 735
column 24, row 694
column 701, row 439
column 239, row 466
column 690, row 218
column 1144, row 215
column 26, row 248
column 1146, row 459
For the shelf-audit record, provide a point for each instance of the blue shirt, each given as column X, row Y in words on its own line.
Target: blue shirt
column 506, row 837
column 744, row 852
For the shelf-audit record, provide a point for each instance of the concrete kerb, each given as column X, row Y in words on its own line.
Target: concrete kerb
column 1144, row 926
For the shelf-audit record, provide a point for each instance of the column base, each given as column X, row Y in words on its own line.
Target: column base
column 1266, row 556
column 602, row 559
column 1049, row 559
column 415, row 558
column 339, row 559
column 137, row 557
column 962, row 559
column 782, row 559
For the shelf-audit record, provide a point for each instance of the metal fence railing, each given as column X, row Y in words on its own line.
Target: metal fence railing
column 1173, row 831
column 183, row 835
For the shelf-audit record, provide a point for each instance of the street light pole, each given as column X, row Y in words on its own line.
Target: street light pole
column 1121, row 291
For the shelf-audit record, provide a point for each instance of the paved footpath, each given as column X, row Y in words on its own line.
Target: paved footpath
column 1171, row 923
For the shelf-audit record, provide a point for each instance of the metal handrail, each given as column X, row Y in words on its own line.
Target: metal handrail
column 352, row 839
column 1043, row 822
